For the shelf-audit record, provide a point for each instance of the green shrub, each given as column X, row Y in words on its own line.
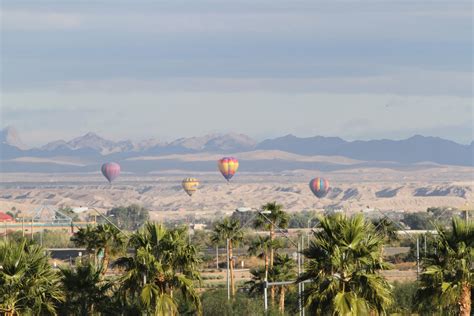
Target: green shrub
column 403, row 297
column 212, row 277
column 215, row 303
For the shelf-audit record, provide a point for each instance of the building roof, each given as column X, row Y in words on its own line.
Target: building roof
column 5, row 217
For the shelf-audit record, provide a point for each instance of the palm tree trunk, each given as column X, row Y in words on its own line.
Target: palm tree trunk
column 272, row 295
column 232, row 285
column 282, row 300
column 217, row 257
column 105, row 261
column 7, row 312
column 266, row 264
column 84, row 309
column 272, row 289
column 465, row 302
column 272, row 233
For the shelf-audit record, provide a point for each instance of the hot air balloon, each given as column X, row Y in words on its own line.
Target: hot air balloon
column 110, row 170
column 190, row 185
column 319, row 187
column 228, row 167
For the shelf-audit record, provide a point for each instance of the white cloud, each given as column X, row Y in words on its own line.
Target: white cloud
column 318, row 24
column 398, row 81
column 167, row 115
column 367, row 20
column 38, row 20
column 352, row 69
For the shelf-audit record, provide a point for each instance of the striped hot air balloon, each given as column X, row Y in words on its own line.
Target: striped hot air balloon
column 190, row 185
column 110, row 170
column 228, row 167
column 319, row 187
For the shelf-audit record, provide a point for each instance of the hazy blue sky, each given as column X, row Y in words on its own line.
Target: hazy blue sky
column 140, row 69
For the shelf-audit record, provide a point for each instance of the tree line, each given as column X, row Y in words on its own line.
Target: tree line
column 155, row 270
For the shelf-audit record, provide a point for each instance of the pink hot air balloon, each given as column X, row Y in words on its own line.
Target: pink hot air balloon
column 110, row 170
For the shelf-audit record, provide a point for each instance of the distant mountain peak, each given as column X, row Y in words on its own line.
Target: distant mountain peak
column 9, row 136
column 93, row 141
column 230, row 142
column 418, row 136
column 216, row 142
column 88, row 137
column 415, row 149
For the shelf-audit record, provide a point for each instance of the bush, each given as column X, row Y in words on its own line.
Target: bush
column 418, row 221
column 54, row 239
column 302, row 219
column 403, row 297
column 215, row 303
column 212, row 277
column 46, row 238
column 130, row 217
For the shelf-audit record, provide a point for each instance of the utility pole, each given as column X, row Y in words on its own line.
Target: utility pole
column 417, row 257
column 298, row 247
column 244, row 210
column 144, row 273
column 425, row 245
column 228, row 270
column 265, row 292
column 299, row 284
column 302, row 264
column 217, row 256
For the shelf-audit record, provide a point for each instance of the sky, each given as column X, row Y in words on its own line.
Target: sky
column 169, row 69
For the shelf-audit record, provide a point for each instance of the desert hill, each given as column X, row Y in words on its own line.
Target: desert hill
column 410, row 174
column 162, row 192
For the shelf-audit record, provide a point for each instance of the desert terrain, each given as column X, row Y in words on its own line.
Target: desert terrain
column 354, row 189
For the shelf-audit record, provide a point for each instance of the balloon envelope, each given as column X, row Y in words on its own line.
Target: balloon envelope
column 190, row 185
column 110, row 170
column 228, row 167
column 319, row 187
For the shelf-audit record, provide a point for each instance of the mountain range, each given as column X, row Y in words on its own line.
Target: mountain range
column 91, row 149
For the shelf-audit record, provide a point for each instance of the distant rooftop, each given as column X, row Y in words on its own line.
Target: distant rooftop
column 5, row 217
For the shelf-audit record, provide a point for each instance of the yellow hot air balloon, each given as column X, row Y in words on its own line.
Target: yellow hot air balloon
column 190, row 185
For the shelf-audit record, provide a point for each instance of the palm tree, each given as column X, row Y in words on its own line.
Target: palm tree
column 163, row 262
column 448, row 277
column 256, row 283
column 343, row 259
column 279, row 218
column 261, row 246
column 177, row 250
column 283, row 270
column 105, row 240
column 216, row 243
column 28, row 283
column 86, row 290
column 228, row 229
